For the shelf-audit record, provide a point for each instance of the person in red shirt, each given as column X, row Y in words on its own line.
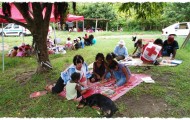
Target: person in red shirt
column 151, row 52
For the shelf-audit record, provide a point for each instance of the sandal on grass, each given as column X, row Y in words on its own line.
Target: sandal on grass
column 79, row 106
column 38, row 94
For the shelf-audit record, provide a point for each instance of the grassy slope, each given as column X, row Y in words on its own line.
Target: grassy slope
column 14, row 96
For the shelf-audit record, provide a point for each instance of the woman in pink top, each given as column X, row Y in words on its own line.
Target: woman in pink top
column 20, row 52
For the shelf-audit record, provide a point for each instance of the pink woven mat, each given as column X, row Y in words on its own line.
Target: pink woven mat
column 108, row 89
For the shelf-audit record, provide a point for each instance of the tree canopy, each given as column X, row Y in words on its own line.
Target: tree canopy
column 143, row 10
column 100, row 10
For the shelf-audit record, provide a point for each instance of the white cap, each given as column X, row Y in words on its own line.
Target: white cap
column 121, row 42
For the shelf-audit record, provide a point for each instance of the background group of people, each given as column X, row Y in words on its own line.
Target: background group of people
column 75, row 44
column 149, row 53
column 23, row 50
column 80, row 42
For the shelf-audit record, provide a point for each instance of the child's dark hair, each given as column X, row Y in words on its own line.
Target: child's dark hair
column 158, row 42
column 68, row 38
column 78, row 59
column 100, row 55
column 139, row 42
column 91, row 37
column 15, row 48
column 75, row 76
column 110, row 56
column 113, row 64
column 80, row 38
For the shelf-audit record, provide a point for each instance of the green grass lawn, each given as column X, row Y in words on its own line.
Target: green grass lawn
column 18, row 80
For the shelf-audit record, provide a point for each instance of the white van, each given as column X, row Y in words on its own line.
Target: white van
column 13, row 29
column 182, row 28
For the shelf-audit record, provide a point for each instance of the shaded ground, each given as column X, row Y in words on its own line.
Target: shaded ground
column 144, row 106
column 24, row 77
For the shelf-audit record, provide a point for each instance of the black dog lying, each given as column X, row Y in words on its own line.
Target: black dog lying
column 105, row 104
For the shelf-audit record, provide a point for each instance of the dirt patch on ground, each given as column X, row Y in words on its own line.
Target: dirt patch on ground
column 143, row 106
column 24, row 77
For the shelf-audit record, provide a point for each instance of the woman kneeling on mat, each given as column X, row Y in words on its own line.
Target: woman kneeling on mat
column 121, row 73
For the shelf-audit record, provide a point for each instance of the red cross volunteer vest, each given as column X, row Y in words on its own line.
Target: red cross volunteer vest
column 150, row 52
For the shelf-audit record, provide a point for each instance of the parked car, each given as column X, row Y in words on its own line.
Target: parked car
column 13, row 29
column 182, row 28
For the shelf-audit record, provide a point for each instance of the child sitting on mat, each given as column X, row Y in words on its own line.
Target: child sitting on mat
column 100, row 69
column 73, row 87
column 138, row 49
column 121, row 73
column 110, row 57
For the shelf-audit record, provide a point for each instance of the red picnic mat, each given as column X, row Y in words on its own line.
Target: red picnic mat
column 108, row 89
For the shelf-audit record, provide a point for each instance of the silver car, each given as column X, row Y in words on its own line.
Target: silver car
column 13, row 29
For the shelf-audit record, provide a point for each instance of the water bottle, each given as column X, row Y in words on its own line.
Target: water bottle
column 171, row 55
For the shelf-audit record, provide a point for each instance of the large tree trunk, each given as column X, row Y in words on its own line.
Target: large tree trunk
column 41, row 52
column 39, row 32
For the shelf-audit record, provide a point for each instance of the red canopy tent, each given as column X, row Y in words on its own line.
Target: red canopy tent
column 71, row 17
column 16, row 15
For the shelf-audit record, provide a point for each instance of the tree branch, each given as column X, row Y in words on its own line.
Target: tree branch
column 10, row 20
column 24, row 13
column 37, row 11
column 48, row 13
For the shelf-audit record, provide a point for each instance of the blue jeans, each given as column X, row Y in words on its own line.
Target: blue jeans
column 165, row 53
column 121, row 81
column 120, row 78
column 82, row 44
column 108, row 75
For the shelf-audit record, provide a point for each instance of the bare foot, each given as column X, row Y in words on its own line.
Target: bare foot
column 49, row 88
column 79, row 106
